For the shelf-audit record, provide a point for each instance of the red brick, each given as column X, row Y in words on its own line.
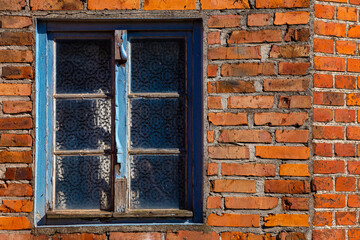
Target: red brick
column 322, row 219
column 330, row 29
column 16, row 56
column 296, row 170
column 328, row 132
column 244, row 136
column 353, row 31
column 15, row 22
column 289, row 51
column 354, row 167
column 212, row 169
column 259, row 19
column 282, row 152
column 224, row 21
column 329, row 234
column 232, row 185
column 322, row 149
column 324, row 11
column 286, row 220
column 243, row 236
column 354, row 201
column 15, row 140
column 17, row 106
column 354, row 233
column 213, row 38
column 264, row 203
column 12, row 5
column 16, row 39
column 282, row 4
column 256, row 36
column 328, row 98
column 329, row 63
column 9, row 89
column 57, row 5
column 353, row 133
column 322, row 184
column 329, row 201
column 295, row 101
column 346, row 13
column 286, row 186
column 297, row 35
column 353, row 65
column 229, row 152
column 346, row 47
column 353, row 99
column 17, row 73
column 343, row 81
column 324, row 45
column 247, row 69
column 323, row 81
column 344, row 150
column 210, row 136
column 322, row 115
column 214, row 103
column 11, row 206
column 291, row 18
column 255, row 102
column 234, row 220
column 291, row 68
column 212, row 70
column 81, row 236
column 234, row 53
column 228, row 119
column 280, row 119
column 248, row 169
column 297, row 136
column 345, row 184
column 18, row 174
column 286, row 85
column 224, row 4
column 14, row 223
column 16, row 190
column 213, row 202
column 293, row 203
column 328, row 167
column 15, row 123
column 15, row 157
column 160, row 4
column 188, row 235
column 345, row 218
column 231, row 87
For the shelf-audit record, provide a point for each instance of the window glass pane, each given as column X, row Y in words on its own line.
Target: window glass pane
column 157, row 123
column 83, row 124
column 83, row 66
column 83, row 182
column 157, row 182
column 157, row 65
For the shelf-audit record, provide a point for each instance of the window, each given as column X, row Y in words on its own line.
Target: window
column 119, row 123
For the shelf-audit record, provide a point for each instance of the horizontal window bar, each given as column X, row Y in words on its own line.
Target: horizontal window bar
column 85, row 95
column 154, row 95
column 83, row 152
column 154, row 151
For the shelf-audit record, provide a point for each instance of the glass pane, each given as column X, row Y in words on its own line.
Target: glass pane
column 83, row 182
column 157, row 182
column 157, row 65
column 83, row 124
column 157, row 123
column 83, row 66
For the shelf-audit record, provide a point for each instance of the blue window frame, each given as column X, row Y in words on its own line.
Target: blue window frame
column 119, row 123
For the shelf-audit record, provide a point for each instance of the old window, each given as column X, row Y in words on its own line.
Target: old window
column 119, row 123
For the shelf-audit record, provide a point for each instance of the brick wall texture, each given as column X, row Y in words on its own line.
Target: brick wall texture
column 281, row 117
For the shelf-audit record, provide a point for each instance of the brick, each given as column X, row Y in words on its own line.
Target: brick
column 346, row 13
column 353, row 99
column 322, row 115
column 280, row 119
column 214, row 103
column 323, row 45
column 293, row 203
column 354, row 201
column 11, row 206
column 295, row 101
column 212, row 70
column 113, row 5
column 324, row 11
column 286, row 220
column 15, row 140
column 17, row 73
column 224, row 4
column 297, row 35
column 247, row 69
column 329, row 201
column 293, row 68
column 343, row 184
column 210, row 136
column 282, row 4
column 247, row 236
column 255, row 36
column 213, row 38
column 7, row 89
column 353, row 133
column 212, row 169
column 213, row 202
column 330, row 29
column 354, row 233
column 289, row 51
column 82, row 236
column 16, row 56
column 328, row 132
column 18, row 174
column 166, row 4
column 323, row 81
column 295, row 136
column 15, row 22
column 254, row 102
column 356, row 2
column 353, row 65
column 286, row 85
column 347, row 82
column 282, row 152
column 234, row 220
column 354, row 167
column 328, row 167
column 286, row 186
column 322, row 219
column 297, row 170
column 329, row 234
column 259, row 19
column 14, row 223
column 234, row 53
column 231, row 87
column 264, row 203
column 328, row 98
column 49, row 5
column 132, row 236
column 248, row 169
column 291, row 18
column 322, row 149
column 322, row 184
column 346, row 47
column 12, row 5
column 231, row 185
column 16, row 39
column 16, row 190
column 224, row 21
column 229, row 152
column 353, row 31
column 19, row 236
column 244, row 136
column 189, row 235
column 345, row 218
column 228, row 119
column 329, row 63
column 15, row 157
column 344, row 150
column 15, row 123
column 17, row 106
